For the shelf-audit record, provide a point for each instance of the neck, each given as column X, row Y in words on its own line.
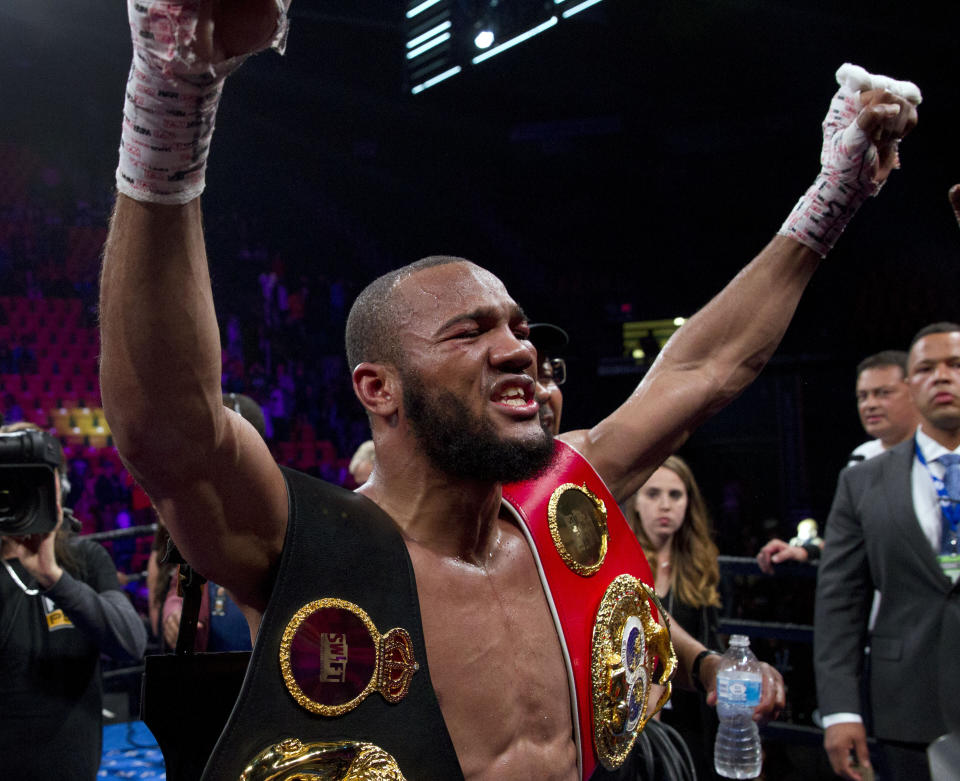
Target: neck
column 663, row 549
column 949, row 438
column 890, row 441
column 453, row 518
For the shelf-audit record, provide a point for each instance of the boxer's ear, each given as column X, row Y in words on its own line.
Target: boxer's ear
column 377, row 386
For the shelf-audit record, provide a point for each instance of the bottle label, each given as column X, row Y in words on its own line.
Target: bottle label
column 739, row 691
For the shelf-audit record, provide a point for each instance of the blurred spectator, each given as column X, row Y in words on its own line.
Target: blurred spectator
column 12, row 411
column 886, row 412
column 883, row 402
column 220, row 626
column 670, row 518
column 159, row 574
column 361, row 465
column 78, row 473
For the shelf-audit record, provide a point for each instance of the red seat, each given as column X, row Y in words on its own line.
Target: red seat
column 306, row 456
column 326, row 451
column 38, row 416
column 34, row 384
column 11, row 383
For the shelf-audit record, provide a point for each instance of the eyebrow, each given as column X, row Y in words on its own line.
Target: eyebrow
column 484, row 313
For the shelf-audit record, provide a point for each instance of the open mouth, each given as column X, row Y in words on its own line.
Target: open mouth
column 514, row 393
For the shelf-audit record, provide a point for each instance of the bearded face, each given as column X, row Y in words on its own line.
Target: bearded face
column 466, row 445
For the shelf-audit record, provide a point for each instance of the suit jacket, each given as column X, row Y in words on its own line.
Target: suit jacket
column 874, row 540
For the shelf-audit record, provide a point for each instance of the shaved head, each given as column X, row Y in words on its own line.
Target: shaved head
column 373, row 333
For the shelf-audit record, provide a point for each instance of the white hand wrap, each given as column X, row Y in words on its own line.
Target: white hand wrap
column 171, row 101
column 849, row 163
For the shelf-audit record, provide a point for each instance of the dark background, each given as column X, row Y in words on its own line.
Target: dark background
column 630, row 160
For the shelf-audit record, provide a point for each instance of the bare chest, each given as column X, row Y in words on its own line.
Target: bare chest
column 497, row 667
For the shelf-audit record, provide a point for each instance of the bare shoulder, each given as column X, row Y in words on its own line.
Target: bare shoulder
column 576, row 439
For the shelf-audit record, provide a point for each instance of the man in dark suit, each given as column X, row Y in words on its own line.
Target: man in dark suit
column 890, row 529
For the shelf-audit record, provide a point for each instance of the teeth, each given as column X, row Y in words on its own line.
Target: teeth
column 513, row 397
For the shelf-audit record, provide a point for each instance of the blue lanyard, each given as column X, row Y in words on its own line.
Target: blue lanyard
column 948, row 509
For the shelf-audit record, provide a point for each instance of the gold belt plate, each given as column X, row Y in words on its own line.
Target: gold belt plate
column 627, row 645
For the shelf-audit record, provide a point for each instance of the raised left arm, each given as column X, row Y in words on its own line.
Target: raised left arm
column 718, row 352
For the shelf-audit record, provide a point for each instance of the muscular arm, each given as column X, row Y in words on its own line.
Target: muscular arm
column 719, row 351
column 209, row 474
column 707, row 363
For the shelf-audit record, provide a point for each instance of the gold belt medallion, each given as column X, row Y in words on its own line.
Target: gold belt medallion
column 332, row 657
column 578, row 524
column 627, row 644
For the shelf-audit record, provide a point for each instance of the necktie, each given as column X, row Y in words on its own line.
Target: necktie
column 951, row 478
column 951, row 481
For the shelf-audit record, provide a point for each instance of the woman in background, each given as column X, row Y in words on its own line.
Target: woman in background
column 670, row 519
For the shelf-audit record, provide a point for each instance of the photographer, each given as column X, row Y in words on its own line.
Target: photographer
column 60, row 608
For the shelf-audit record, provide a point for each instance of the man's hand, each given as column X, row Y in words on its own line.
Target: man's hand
column 231, row 29
column 36, row 554
column 886, row 118
column 868, row 116
column 773, row 693
column 189, row 37
column 885, row 111
column 776, row 552
column 171, row 628
column 839, row 741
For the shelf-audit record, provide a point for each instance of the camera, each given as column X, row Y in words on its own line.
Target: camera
column 28, row 469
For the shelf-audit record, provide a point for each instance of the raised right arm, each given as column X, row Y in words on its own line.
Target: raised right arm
column 209, row 474
column 207, row 471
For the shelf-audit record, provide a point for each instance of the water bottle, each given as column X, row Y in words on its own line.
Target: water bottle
column 736, row 753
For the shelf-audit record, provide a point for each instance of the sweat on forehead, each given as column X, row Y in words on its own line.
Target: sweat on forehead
column 451, row 288
column 372, row 332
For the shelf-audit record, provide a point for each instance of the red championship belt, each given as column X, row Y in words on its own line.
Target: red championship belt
column 600, row 590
